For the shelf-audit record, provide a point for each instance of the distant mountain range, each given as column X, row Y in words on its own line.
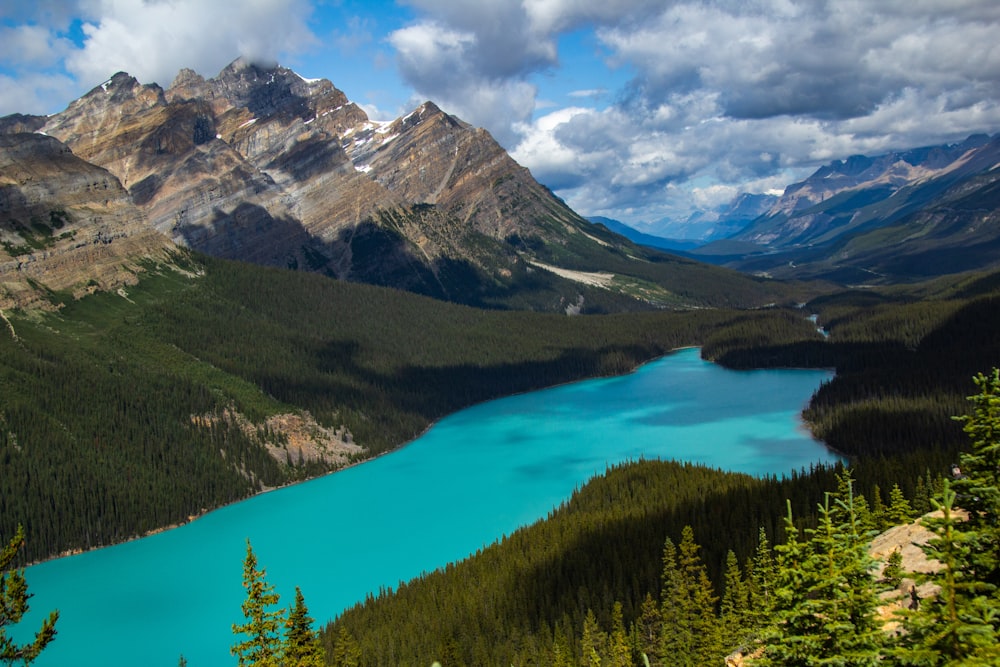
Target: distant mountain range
column 897, row 217
column 261, row 165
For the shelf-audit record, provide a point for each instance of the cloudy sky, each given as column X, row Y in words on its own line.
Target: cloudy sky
column 640, row 110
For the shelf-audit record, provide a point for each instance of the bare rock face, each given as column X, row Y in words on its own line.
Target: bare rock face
column 67, row 225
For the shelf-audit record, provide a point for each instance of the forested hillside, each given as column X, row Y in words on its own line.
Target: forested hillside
column 141, row 408
column 124, row 412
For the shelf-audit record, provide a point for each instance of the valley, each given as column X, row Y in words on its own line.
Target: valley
column 233, row 284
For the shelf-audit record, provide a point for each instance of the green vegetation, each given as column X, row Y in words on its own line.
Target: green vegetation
column 264, row 645
column 14, row 605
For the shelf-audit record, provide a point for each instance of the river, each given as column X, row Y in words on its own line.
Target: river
column 475, row 476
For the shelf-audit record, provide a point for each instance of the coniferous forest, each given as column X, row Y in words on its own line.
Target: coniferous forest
column 102, row 437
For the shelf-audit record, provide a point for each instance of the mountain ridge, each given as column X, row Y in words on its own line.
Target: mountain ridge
column 259, row 164
column 897, row 217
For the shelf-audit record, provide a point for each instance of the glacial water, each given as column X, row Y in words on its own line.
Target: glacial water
column 474, row 477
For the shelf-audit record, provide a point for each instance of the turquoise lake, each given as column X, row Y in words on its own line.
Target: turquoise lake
column 475, row 476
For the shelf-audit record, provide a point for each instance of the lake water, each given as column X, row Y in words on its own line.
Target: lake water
column 474, row 477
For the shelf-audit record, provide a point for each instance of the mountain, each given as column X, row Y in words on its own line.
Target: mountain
column 261, row 165
column 901, row 216
column 66, row 224
column 642, row 238
column 704, row 226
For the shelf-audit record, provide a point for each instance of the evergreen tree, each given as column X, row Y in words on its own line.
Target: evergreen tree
column 957, row 626
column 824, row 611
column 899, row 511
column 978, row 488
column 866, row 520
column 892, row 574
column 675, row 636
column 262, row 646
column 301, row 646
column 619, row 651
column 961, row 624
column 922, row 495
column 761, row 582
column 690, row 627
column 648, row 628
column 734, row 608
column 879, row 509
column 346, row 652
column 593, row 641
column 14, row 605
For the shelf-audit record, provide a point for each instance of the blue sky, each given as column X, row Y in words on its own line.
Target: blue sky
column 640, row 110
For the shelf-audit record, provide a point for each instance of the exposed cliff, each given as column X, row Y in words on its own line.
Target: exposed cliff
column 66, row 225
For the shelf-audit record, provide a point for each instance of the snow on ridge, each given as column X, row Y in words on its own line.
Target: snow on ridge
column 309, row 81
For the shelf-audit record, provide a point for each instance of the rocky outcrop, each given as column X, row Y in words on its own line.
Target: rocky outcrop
column 67, row 225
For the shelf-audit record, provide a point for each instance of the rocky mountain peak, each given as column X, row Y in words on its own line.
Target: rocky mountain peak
column 263, row 165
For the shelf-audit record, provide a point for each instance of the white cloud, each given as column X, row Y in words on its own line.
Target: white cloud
column 38, row 93
column 32, row 46
column 154, row 39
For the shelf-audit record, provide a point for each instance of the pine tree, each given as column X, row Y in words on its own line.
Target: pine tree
column 825, row 601
column 892, row 574
column 301, row 647
column 978, row 489
column 346, row 652
column 957, row 625
column 690, row 633
column 262, row 647
column 619, row 651
column 761, row 582
column 593, row 641
column 879, row 509
column 899, row 511
column 648, row 628
column 734, row 608
column 922, row 496
column 14, row 605
column 961, row 625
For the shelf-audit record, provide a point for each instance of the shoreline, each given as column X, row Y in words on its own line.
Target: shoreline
column 205, row 511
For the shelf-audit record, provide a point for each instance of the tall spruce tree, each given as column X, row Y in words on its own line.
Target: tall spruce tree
column 978, row 487
column 301, row 647
column 647, row 629
column 593, row 642
column 899, row 511
column 690, row 633
column 262, row 646
column 761, row 583
column 14, row 598
column 619, row 650
column 346, row 651
column 734, row 609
